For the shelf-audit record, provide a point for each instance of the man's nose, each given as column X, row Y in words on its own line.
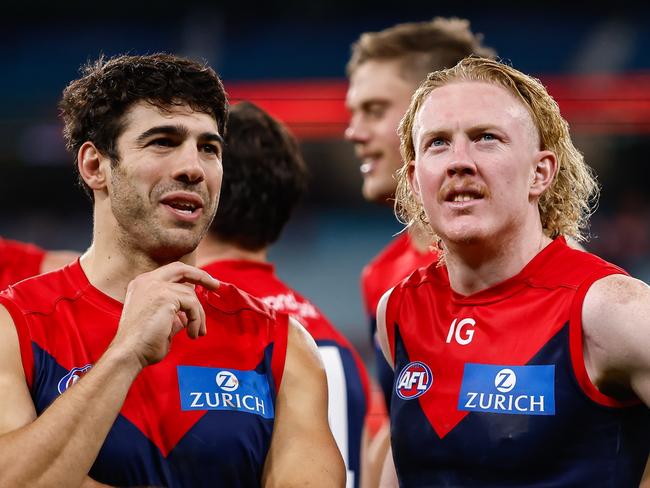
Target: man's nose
column 189, row 167
column 462, row 162
column 357, row 130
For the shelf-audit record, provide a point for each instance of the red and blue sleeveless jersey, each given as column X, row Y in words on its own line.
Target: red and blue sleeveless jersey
column 18, row 261
column 394, row 263
column 203, row 416
column 346, row 375
column 491, row 389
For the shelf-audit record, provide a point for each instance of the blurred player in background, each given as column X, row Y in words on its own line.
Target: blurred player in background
column 264, row 179
column 19, row 260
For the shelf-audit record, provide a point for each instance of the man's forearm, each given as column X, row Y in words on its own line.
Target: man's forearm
column 60, row 446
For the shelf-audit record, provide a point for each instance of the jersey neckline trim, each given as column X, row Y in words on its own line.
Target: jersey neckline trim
column 513, row 284
column 91, row 293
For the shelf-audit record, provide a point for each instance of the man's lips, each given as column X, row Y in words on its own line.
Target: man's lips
column 461, row 195
column 183, row 198
column 368, row 162
column 366, row 168
column 185, row 205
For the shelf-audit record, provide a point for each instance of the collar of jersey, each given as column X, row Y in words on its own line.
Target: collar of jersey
column 514, row 284
column 92, row 294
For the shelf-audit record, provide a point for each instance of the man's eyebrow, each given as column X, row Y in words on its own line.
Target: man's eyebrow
column 178, row 131
column 374, row 102
column 436, row 132
column 368, row 104
column 212, row 137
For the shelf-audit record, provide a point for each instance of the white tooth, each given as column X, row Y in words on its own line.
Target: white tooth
column 463, row 197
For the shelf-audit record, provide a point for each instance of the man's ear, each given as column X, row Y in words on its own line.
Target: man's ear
column 412, row 179
column 91, row 169
column 544, row 172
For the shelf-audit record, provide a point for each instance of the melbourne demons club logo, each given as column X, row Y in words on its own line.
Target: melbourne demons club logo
column 72, row 377
column 413, row 381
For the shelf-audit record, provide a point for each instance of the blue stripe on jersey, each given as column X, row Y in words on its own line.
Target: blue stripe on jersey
column 141, row 462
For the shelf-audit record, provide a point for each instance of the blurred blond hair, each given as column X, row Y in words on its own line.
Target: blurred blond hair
column 420, row 47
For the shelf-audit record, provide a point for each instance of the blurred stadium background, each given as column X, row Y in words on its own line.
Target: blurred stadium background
column 289, row 58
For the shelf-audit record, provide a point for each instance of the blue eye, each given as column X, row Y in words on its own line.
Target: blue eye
column 488, row 137
column 437, row 142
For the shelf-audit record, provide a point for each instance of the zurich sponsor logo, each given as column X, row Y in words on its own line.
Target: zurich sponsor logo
column 505, row 380
column 72, row 377
column 224, row 389
column 515, row 390
column 413, row 381
column 227, row 381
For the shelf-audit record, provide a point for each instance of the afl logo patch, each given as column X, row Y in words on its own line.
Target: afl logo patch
column 72, row 377
column 413, row 381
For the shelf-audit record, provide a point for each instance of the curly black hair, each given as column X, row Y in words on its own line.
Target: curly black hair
column 93, row 106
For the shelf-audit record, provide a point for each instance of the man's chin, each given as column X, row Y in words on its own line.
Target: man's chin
column 170, row 253
column 460, row 237
column 377, row 192
column 175, row 244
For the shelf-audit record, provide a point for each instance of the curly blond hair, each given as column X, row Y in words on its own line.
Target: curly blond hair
column 565, row 207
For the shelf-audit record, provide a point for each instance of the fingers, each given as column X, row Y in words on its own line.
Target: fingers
column 190, row 312
column 158, row 305
column 184, row 273
column 203, row 328
column 196, row 323
column 177, row 326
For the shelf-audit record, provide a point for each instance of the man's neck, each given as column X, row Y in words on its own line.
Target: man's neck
column 420, row 239
column 111, row 270
column 115, row 259
column 478, row 266
column 212, row 249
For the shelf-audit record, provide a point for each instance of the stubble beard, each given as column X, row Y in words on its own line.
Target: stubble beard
column 139, row 229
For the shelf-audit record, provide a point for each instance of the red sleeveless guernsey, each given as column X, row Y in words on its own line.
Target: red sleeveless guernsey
column 491, row 389
column 203, row 416
column 18, row 261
